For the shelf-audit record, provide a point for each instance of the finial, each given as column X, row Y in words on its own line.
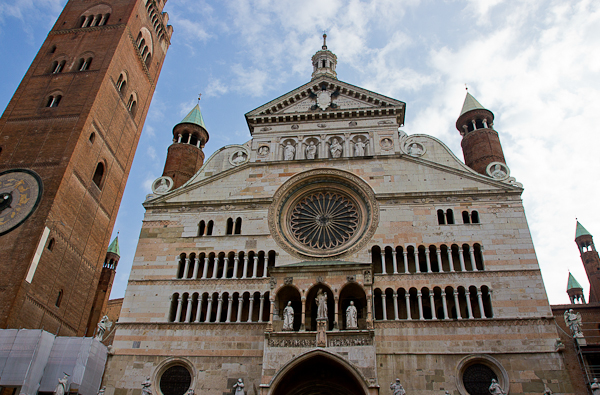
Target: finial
column 466, row 88
column 199, row 97
column 324, row 39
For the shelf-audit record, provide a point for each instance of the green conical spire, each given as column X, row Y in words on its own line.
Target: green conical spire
column 114, row 246
column 573, row 283
column 581, row 231
column 195, row 117
column 471, row 104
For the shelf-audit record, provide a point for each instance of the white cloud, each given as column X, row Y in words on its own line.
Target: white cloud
column 216, row 88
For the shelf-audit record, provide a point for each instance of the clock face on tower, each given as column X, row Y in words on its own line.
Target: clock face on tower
column 20, row 194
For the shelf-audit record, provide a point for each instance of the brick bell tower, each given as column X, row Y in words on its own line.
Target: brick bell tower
column 590, row 259
column 67, row 141
column 185, row 156
column 480, row 142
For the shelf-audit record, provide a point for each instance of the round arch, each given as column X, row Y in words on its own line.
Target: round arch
column 318, row 372
column 310, row 317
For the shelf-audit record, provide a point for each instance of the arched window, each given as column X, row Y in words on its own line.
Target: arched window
column 142, row 44
column 138, row 39
column 51, row 244
column 132, row 104
column 441, row 217
column 148, row 59
column 104, row 19
column 84, row 64
column 99, row 175
column 59, row 298
column 209, row 228
column 229, row 229
column 465, row 217
column 238, row 226
column 450, row 217
column 58, row 67
column 122, row 82
column 201, row 228
column 92, row 137
column 53, row 101
column 474, row 217
column 53, row 49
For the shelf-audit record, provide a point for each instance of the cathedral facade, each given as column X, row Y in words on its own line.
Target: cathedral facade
column 333, row 253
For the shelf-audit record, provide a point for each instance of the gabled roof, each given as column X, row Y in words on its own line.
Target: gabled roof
column 195, row 117
column 471, row 104
column 572, row 284
column 581, row 231
column 114, row 246
column 345, row 97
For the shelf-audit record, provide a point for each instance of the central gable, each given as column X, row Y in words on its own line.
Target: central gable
column 325, row 98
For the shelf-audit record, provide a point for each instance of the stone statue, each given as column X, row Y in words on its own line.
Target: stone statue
column 311, row 150
column 147, row 387
column 288, row 317
column 103, row 326
column 263, row 150
column 351, row 317
column 239, row 387
column 238, row 158
column 595, row 386
column 63, row 385
column 498, row 172
column 102, row 390
column 321, row 300
column 573, row 321
column 547, row 391
column 359, row 147
column 335, row 148
column 397, row 388
column 290, row 150
column 415, row 149
column 495, row 388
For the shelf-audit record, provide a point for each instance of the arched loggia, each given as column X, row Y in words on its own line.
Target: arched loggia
column 318, row 372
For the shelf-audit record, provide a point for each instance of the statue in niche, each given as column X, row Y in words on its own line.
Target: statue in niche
column 239, row 387
column 595, row 387
column 311, row 150
column 336, row 148
column 573, row 321
column 359, row 147
column 63, row 385
column 238, row 158
column 147, row 387
column 415, row 149
column 289, row 152
column 495, row 388
column 498, row 171
column 103, row 326
column 162, row 185
column 397, row 388
column 351, row 317
column 288, row 317
column 263, row 150
column 321, row 300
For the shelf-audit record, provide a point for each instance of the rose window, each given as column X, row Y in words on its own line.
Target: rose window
column 324, row 220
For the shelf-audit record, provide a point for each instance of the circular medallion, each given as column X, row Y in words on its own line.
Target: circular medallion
column 20, row 193
column 239, row 157
column 323, row 213
column 498, row 171
column 162, row 185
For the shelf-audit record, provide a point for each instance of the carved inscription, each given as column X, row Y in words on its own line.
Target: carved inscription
column 291, row 342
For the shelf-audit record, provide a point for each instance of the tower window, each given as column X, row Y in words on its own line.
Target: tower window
column 50, row 246
column 209, row 228
column 201, row 228
column 99, row 175
column 53, row 101
column 104, row 19
column 59, row 298
column 131, row 105
column 122, row 82
column 57, row 67
column 474, row 217
column 84, row 64
column 92, row 137
column 238, row 226
column 53, row 49
column 450, row 217
column 229, row 230
column 441, row 217
column 466, row 218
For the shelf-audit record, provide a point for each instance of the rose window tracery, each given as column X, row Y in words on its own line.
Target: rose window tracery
column 324, row 220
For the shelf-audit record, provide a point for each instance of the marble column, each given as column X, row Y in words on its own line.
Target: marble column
column 480, row 301
column 445, row 305
column 240, row 308
column 205, row 270
column 196, row 266
column 420, row 302
column 469, row 307
column 215, row 266
column 432, row 303
column 188, row 313
column 261, row 308
column 229, row 308
column 407, row 300
column 384, row 306
column 265, row 265
column 461, row 257
column 186, row 268
column 383, row 271
column 251, row 309
column 457, row 305
column 245, row 266
column 255, row 266
column 405, row 254
column 236, row 263
column 417, row 266
column 219, row 308
column 428, row 260
column 473, row 262
column 209, row 309
column 336, row 324
column 178, row 314
column 396, row 315
column 225, row 266
column 438, row 253
column 303, row 317
column 394, row 262
column 199, row 308
column 450, row 260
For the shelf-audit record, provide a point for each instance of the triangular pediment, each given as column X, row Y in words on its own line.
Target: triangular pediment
column 326, row 95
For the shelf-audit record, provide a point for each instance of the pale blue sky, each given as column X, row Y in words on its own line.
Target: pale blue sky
column 534, row 63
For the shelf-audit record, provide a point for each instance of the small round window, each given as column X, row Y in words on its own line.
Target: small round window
column 477, row 379
column 175, row 380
